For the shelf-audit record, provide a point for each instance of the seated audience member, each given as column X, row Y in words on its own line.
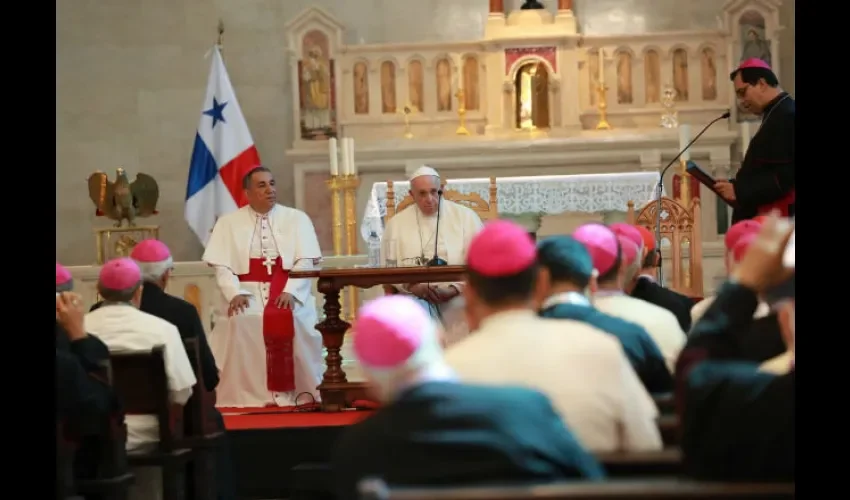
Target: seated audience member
column 738, row 421
column 123, row 327
column 582, row 369
column 567, row 282
column 433, row 429
column 616, row 267
column 646, row 286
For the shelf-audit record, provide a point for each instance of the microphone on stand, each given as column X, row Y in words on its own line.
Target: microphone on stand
column 437, row 261
column 659, row 189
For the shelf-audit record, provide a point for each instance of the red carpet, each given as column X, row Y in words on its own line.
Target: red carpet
column 275, row 418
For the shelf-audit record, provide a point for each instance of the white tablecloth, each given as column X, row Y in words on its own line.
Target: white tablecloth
column 549, row 194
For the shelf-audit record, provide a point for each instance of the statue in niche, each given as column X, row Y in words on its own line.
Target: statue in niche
column 708, row 69
column 532, row 97
column 388, row 105
column 361, row 88
column 471, row 101
column 593, row 72
column 532, row 5
column 444, row 85
column 316, row 86
column 652, row 76
column 680, row 74
column 416, row 84
column 624, row 78
column 754, row 44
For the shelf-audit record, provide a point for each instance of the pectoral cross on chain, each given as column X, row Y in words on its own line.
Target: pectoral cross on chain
column 268, row 262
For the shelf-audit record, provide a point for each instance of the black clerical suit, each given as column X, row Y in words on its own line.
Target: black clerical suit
column 642, row 351
column 678, row 304
column 737, row 422
column 766, row 178
column 448, row 433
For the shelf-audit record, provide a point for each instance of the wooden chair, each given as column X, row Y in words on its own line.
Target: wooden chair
column 375, row 489
column 679, row 225
column 487, row 210
column 141, row 382
column 665, row 403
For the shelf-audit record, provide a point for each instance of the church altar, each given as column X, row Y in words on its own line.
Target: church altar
column 534, row 195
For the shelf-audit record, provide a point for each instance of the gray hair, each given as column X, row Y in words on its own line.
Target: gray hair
column 111, row 295
column 154, row 271
column 246, row 180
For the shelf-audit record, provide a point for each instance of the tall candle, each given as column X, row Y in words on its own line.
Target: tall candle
column 684, row 139
column 334, row 158
column 352, row 165
column 601, row 66
column 345, row 156
column 745, row 136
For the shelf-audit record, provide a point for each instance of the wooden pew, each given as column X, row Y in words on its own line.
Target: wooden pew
column 671, row 489
column 665, row 402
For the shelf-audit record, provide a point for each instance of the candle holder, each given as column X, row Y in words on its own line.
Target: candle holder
column 602, row 106
column 350, row 183
column 461, row 113
column 335, row 184
column 670, row 117
column 684, row 183
column 407, row 111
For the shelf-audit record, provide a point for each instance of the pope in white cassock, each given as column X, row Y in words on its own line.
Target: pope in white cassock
column 409, row 240
column 264, row 338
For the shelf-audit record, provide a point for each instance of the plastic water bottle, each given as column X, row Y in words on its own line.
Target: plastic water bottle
column 374, row 250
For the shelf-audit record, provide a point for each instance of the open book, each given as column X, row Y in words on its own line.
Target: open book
column 705, row 179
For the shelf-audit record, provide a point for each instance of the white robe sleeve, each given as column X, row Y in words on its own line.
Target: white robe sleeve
column 219, row 254
column 306, row 249
column 228, row 283
column 178, row 369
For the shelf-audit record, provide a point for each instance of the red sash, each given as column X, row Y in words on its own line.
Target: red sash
column 783, row 204
column 278, row 326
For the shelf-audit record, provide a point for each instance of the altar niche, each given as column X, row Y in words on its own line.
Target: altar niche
column 531, row 88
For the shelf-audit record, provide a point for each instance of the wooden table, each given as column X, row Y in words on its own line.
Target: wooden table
column 336, row 391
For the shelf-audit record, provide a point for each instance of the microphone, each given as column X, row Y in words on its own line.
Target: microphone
column 437, row 261
column 660, row 187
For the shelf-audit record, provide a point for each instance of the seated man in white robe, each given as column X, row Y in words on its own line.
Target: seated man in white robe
column 583, row 370
column 264, row 338
column 411, row 239
column 123, row 327
column 618, row 261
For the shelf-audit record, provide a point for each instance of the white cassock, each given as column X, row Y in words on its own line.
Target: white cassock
column 582, row 370
column 266, row 355
column 122, row 327
column 412, row 235
column 658, row 322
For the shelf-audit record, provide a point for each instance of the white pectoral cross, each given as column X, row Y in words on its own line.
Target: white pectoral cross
column 269, row 263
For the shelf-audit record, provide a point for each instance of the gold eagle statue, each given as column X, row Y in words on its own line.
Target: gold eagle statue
column 123, row 200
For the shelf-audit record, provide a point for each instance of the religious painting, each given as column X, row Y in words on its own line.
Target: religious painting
column 317, row 87
column 532, row 97
column 471, row 99
column 708, row 71
column 388, row 97
column 753, row 43
column 680, row 74
column 624, row 77
column 416, row 84
column 361, row 88
column 652, row 76
column 444, row 85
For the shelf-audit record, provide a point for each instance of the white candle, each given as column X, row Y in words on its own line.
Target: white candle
column 684, row 139
column 601, row 66
column 351, row 163
column 745, row 136
column 332, row 151
column 345, row 156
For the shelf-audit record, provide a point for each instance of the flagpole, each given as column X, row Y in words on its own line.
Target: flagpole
column 220, row 40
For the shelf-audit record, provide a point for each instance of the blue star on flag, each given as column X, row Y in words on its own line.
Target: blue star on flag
column 216, row 112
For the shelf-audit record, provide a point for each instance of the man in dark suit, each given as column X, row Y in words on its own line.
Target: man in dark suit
column 737, row 420
column 435, row 430
column 646, row 287
column 566, row 276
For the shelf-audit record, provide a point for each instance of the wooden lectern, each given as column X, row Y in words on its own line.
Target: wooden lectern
column 336, row 391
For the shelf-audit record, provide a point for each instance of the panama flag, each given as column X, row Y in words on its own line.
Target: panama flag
column 224, row 152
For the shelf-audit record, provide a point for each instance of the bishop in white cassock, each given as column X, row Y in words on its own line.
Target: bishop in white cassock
column 410, row 239
column 264, row 339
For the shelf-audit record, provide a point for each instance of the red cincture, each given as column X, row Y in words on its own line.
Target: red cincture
column 783, row 204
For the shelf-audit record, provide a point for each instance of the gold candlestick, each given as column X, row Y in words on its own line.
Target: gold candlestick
column 407, row 111
column 350, row 183
column 335, row 186
column 684, row 183
column 602, row 106
column 461, row 113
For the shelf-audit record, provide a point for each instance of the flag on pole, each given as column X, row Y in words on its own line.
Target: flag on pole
column 223, row 153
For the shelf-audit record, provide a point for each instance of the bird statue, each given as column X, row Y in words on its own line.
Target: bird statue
column 123, row 200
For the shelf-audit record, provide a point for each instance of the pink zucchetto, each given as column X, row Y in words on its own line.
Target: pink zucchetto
column 754, row 62
column 629, row 232
column 502, row 248
column 150, row 251
column 119, row 274
column 601, row 243
column 390, row 330
column 628, row 248
column 62, row 275
column 738, row 230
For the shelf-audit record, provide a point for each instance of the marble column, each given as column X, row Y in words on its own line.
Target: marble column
column 562, row 5
column 497, row 6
